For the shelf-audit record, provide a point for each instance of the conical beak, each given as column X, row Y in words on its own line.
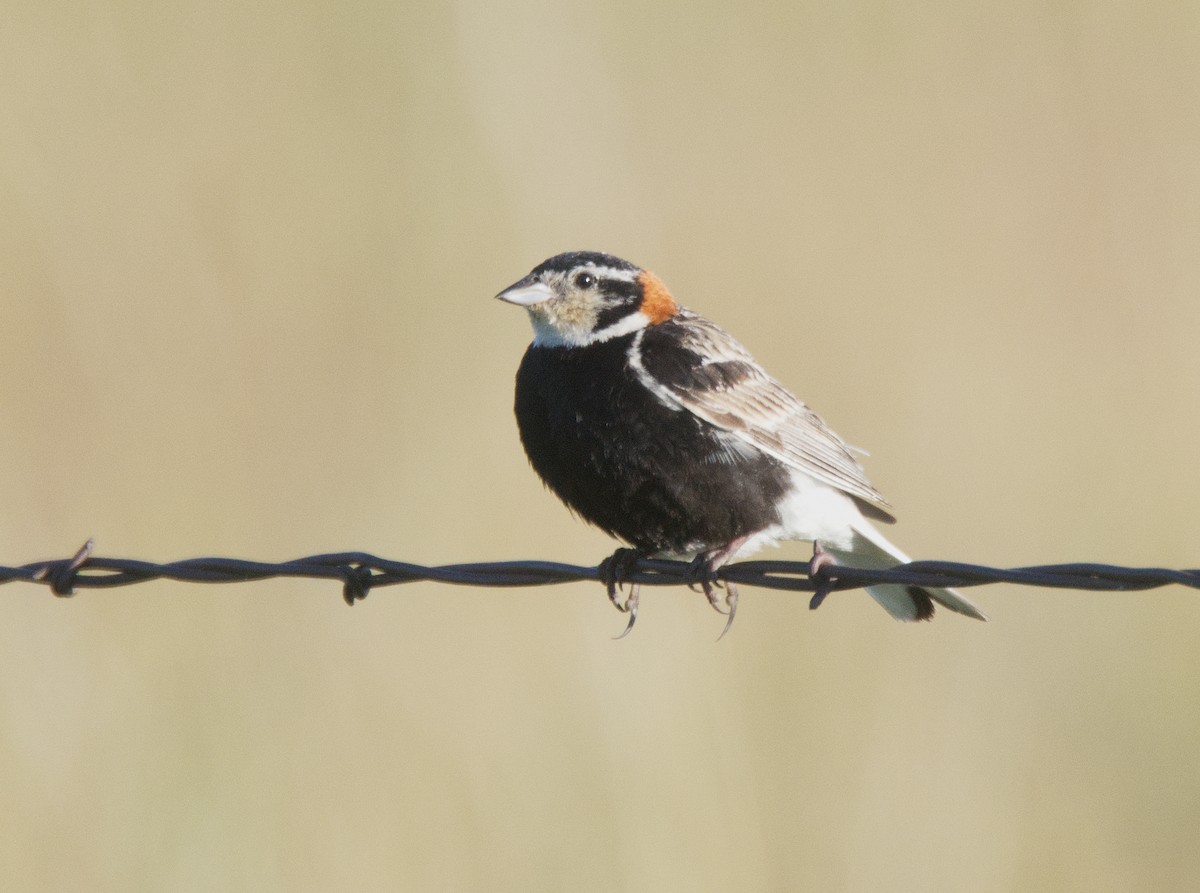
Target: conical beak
column 527, row 292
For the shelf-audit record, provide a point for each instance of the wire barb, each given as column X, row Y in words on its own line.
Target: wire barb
column 358, row 584
column 60, row 575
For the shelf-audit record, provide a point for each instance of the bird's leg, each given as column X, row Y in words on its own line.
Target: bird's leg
column 818, row 573
column 704, row 574
column 614, row 572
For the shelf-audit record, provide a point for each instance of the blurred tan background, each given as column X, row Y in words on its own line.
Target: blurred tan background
column 247, row 259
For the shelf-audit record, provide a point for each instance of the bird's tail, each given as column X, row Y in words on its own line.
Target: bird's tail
column 870, row 549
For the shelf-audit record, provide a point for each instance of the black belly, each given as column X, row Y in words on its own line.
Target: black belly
column 658, row 478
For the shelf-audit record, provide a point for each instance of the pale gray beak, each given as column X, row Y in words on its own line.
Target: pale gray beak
column 526, row 293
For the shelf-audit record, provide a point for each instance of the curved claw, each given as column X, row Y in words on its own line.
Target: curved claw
column 613, row 572
column 710, row 592
column 705, row 568
column 704, row 576
column 731, row 599
column 631, row 606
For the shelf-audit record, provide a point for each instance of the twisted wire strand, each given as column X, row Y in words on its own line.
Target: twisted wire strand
column 359, row 572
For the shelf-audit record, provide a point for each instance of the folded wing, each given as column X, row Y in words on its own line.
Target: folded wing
column 708, row 373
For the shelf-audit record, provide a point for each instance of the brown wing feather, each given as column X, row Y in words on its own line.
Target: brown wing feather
column 744, row 400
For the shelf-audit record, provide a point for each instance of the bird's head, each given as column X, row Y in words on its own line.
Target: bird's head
column 583, row 297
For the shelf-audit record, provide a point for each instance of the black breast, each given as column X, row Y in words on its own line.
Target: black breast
column 660, row 479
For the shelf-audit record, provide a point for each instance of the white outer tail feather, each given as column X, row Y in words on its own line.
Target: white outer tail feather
column 870, row 549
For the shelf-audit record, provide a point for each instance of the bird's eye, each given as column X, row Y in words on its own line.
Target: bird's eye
column 585, row 280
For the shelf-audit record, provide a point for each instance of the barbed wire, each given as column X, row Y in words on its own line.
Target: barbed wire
column 360, row 572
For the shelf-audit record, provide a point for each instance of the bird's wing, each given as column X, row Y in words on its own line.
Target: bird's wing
column 695, row 363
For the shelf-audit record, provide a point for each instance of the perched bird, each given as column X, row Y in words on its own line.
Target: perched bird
column 655, row 425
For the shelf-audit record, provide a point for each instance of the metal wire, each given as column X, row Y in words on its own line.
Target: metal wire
column 360, row 572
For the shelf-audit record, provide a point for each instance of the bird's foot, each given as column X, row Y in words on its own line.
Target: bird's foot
column 704, row 575
column 818, row 572
column 614, row 572
column 703, row 572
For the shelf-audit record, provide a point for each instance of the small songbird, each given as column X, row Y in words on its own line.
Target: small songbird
column 655, row 425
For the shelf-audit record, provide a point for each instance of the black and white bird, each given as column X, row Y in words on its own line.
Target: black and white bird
column 658, row 427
